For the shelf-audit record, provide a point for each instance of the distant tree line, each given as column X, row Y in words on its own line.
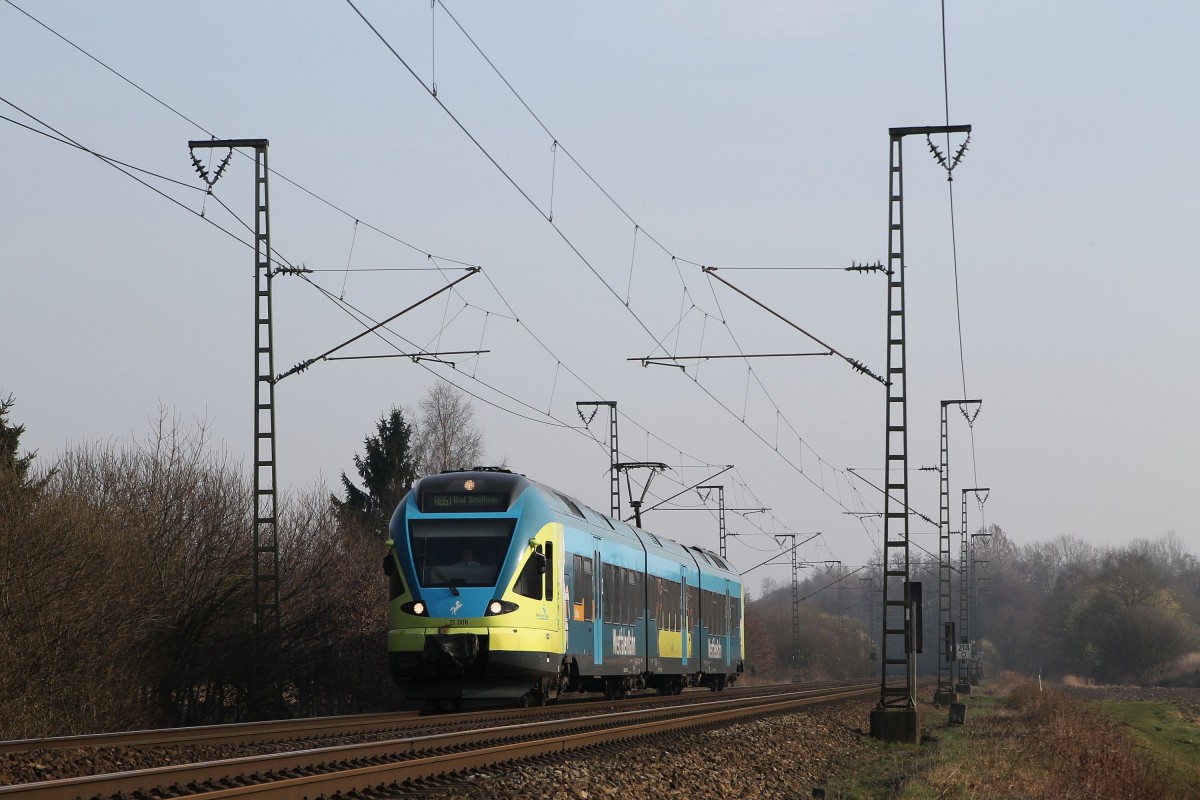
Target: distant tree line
column 125, row 577
column 1126, row 614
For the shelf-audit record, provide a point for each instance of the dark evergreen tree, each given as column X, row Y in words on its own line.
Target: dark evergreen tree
column 387, row 471
column 14, row 468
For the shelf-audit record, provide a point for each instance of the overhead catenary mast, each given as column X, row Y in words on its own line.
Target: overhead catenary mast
column 896, row 717
column 265, row 521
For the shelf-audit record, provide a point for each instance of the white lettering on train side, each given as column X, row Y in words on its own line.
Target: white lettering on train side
column 623, row 643
column 714, row 647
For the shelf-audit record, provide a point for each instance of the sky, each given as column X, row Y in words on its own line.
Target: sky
column 591, row 158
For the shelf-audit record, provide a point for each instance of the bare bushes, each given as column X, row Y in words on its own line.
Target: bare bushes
column 124, row 577
column 125, row 593
column 334, row 600
column 828, row 647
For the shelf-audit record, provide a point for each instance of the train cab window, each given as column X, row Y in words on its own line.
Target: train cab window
column 529, row 581
column 395, row 582
column 459, row 552
column 550, row 573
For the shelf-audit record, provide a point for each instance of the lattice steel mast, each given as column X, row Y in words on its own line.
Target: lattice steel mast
column 614, row 474
column 895, row 718
column 946, row 658
column 265, row 524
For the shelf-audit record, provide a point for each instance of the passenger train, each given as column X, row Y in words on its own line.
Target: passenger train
column 504, row 588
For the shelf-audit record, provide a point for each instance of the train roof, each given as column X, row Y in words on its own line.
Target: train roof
column 496, row 489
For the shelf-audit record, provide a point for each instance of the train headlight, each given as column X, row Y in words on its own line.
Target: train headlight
column 497, row 607
column 416, row 608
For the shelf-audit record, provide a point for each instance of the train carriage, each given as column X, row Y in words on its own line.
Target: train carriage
column 501, row 587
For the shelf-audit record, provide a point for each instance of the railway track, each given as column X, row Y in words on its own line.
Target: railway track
column 323, row 728
column 392, row 764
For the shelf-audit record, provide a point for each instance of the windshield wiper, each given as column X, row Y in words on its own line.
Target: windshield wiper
column 442, row 577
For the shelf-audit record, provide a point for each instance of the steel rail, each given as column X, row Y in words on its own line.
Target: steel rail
column 313, row 727
column 502, row 743
column 233, row 733
column 385, row 777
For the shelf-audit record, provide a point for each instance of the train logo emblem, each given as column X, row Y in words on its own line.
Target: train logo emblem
column 454, row 609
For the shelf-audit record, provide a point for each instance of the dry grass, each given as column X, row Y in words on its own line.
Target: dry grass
column 1043, row 744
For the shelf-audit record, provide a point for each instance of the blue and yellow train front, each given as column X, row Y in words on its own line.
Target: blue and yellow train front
column 476, row 604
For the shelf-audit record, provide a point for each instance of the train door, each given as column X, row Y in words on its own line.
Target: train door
column 555, row 591
column 685, row 620
column 597, row 604
column 728, row 637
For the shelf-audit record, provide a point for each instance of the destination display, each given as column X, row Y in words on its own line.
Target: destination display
column 464, row 501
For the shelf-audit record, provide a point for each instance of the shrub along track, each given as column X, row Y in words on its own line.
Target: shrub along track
column 389, row 765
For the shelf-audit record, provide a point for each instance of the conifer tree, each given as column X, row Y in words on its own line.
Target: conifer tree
column 387, row 471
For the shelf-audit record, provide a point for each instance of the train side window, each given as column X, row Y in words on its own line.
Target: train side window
column 607, row 592
column 660, row 603
column 618, row 595
column 677, row 596
column 657, row 602
column 623, row 606
column 673, row 620
column 666, row 606
column 627, row 590
column 639, row 593
column 679, row 606
column 550, row 574
column 631, row 603
column 631, row 590
column 581, row 592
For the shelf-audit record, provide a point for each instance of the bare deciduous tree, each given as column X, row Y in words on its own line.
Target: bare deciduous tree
column 446, row 435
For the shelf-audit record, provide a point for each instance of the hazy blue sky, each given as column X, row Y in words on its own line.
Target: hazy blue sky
column 743, row 135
